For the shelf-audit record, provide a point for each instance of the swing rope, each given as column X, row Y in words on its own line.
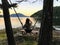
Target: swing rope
column 34, row 24
column 16, row 14
column 19, row 18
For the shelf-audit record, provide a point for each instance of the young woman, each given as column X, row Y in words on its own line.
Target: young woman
column 27, row 26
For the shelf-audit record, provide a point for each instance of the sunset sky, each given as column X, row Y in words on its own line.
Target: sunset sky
column 28, row 8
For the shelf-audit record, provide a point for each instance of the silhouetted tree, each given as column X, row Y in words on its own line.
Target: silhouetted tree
column 9, row 31
column 45, row 35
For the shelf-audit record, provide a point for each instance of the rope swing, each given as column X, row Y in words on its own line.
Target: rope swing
column 26, row 27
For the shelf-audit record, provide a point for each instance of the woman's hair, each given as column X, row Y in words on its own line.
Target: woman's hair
column 27, row 20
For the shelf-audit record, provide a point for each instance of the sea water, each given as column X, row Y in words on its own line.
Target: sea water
column 16, row 23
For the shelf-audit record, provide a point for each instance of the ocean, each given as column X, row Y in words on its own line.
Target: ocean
column 15, row 22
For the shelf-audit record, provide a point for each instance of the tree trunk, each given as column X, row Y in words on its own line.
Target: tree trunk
column 45, row 35
column 8, row 26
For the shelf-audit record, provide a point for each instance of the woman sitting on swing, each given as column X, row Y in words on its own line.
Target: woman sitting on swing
column 27, row 26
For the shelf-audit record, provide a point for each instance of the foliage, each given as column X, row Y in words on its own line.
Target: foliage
column 27, row 40
column 56, row 15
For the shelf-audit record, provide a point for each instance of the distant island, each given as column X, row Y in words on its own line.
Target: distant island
column 19, row 14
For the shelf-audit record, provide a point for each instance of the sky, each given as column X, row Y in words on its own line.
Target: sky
column 28, row 8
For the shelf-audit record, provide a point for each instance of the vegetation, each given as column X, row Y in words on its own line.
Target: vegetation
column 25, row 40
column 56, row 15
column 2, row 35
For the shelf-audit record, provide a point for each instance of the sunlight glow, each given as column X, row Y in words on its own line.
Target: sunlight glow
column 28, row 8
